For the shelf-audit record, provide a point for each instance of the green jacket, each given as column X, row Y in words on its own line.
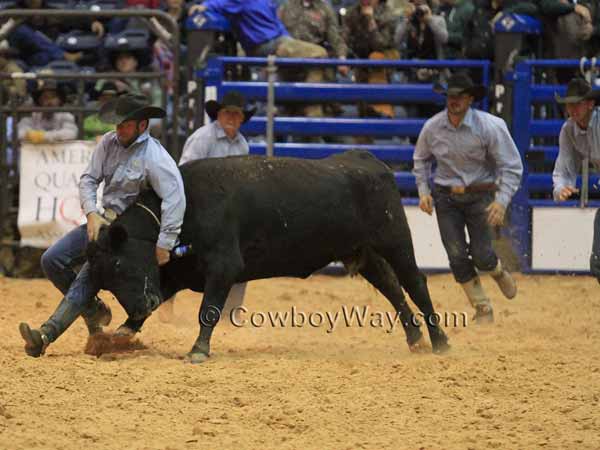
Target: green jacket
column 456, row 20
column 93, row 126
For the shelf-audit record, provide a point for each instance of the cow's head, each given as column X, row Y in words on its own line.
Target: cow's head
column 127, row 267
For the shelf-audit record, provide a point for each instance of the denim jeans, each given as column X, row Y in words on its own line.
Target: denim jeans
column 454, row 212
column 59, row 263
column 595, row 257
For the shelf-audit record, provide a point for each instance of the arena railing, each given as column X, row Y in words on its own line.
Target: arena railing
column 550, row 236
column 213, row 76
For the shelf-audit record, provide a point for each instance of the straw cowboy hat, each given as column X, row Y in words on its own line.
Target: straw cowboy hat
column 578, row 90
column 461, row 84
column 232, row 99
column 129, row 107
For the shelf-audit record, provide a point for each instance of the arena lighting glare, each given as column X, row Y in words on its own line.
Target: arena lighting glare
column 342, row 11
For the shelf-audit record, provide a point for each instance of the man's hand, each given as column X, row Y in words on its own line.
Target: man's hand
column 343, row 70
column 583, row 12
column 94, row 222
column 566, row 192
column 98, row 28
column 195, row 9
column 366, row 11
column 426, row 203
column 162, row 255
column 496, row 213
column 35, row 136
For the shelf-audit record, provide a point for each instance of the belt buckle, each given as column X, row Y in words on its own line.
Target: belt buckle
column 458, row 189
column 110, row 215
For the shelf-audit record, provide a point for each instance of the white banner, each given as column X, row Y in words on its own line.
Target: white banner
column 48, row 191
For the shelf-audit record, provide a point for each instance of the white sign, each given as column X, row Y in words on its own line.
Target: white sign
column 48, row 192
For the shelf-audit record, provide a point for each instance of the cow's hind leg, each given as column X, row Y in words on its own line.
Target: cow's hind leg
column 379, row 273
column 415, row 283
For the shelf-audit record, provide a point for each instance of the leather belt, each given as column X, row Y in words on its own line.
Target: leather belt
column 472, row 188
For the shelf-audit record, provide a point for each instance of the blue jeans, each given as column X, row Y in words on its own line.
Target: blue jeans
column 59, row 263
column 595, row 257
column 454, row 212
column 35, row 47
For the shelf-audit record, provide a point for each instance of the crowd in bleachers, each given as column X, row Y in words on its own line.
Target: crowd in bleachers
column 423, row 29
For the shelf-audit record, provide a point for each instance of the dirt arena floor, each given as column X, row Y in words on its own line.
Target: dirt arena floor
column 531, row 380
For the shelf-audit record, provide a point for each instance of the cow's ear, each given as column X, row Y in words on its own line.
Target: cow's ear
column 117, row 235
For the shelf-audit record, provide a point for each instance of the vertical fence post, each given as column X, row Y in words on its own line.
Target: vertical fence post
column 213, row 78
column 520, row 231
column 271, row 71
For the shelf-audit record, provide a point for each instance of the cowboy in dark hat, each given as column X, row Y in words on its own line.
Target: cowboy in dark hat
column 478, row 171
column 221, row 137
column 579, row 141
column 126, row 160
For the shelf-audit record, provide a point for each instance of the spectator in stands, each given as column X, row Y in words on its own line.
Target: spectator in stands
column 567, row 29
column 261, row 33
column 48, row 127
column 34, row 39
column 423, row 35
column 369, row 32
column 15, row 87
column 456, row 14
column 479, row 31
column 579, row 139
column 93, row 126
column 314, row 21
column 478, row 171
column 218, row 139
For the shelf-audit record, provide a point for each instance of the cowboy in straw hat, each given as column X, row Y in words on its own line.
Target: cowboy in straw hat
column 478, row 171
column 126, row 160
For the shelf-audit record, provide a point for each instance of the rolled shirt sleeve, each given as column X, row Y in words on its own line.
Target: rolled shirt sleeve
column 165, row 179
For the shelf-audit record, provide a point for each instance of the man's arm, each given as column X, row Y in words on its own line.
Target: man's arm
column 422, row 162
column 195, row 147
column 566, row 167
column 165, row 179
column 91, row 178
column 509, row 166
column 221, row 6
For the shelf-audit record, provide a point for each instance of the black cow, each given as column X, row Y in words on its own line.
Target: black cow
column 253, row 217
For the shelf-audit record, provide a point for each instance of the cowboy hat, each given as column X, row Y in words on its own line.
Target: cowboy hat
column 232, row 99
column 578, row 90
column 49, row 85
column 461, row 83
column 129, row 107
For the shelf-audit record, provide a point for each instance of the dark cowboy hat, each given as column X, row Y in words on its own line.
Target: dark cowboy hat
column 232, row 98
column 129, row 107
column 461, row 83
column 49, row 85
column 578, row 90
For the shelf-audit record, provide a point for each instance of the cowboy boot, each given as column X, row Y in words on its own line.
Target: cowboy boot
column 483, row 309
column 505, row 281
column 37, row 340
column 96, row 315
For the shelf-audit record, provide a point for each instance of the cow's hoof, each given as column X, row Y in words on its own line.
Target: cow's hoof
column 196, row 357
column 123, row 335
column 420, row 346
column 441, row 348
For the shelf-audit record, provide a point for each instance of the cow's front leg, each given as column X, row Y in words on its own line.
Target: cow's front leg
column 218, row 284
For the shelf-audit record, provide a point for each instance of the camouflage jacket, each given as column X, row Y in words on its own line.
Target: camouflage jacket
column 362, row 41
column 315, row 23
